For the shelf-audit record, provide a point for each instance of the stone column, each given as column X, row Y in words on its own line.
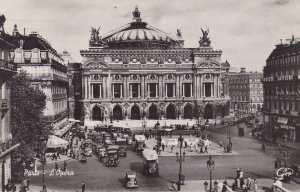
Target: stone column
column 194, row 86
column 85, row 86
column 104, row 86
column 143, row 86
column 100, row 91
column 160, row 90
column 191, row 89
column 163, row 86
column 127, row 86
column 177, row 87
column 180, row 86
column 183, row 86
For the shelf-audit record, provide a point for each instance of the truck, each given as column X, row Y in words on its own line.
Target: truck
column 150, row 162
column 139, row 142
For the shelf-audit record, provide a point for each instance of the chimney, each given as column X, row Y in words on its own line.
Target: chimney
column 15, row 31
column 243, row 70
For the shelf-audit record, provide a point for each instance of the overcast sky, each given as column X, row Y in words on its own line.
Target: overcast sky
column 245, row 30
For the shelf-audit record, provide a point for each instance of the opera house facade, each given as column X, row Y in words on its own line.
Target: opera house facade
column 139, row 71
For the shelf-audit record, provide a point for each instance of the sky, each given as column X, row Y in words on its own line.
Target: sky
column 245, row 30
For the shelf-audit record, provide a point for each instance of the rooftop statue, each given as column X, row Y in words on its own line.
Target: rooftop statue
column 179, row 34
column 204, row 40
column 95, row 38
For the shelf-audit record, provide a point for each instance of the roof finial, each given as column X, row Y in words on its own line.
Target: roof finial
column 136, row 15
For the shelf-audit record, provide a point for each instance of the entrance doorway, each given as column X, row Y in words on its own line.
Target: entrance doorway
column 188, row 112
column 171, row 112
column 135, row 113
column 207, row 87
column 153, row 112
column 117, row 113
column 97, row 114
column 208, row 112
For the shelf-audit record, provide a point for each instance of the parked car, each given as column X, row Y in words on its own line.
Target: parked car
column 88, row 152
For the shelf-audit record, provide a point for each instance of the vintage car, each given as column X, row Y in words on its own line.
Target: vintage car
column 139, row 142
column 150, row 162
column 88, row 152
column 83, row 159
column 108, row 142
column 122, row 143
column 112, row 159
column 131, row 180
column 102, row 153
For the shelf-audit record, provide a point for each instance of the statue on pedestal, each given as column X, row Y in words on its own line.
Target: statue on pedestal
column 204, row 40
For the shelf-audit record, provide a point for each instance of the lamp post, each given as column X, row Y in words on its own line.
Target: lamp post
column 180, row 158
column 210, row 166
column 43, row 141
column 111, row 117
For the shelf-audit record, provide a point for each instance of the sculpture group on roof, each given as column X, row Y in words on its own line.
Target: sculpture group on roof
column 95, row 38
column 204, row 40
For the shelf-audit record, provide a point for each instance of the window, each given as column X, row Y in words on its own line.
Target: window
column 152, row 88
column 187, row 90
column 170, row 87
column 117, row 90
column 135, row 90
column 96, row 90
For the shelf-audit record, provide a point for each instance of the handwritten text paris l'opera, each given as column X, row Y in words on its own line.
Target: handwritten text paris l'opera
column 53, row 172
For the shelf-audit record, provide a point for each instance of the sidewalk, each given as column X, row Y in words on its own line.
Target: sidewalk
column 213, row 149
column 287, row 144
column 263, row 185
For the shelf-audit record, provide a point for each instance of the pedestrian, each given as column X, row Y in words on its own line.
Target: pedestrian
column 224, row 188
column 163, row 147
column 221, row 144
column 53, row 156
column 205, row 147
column 185, row 144
column 65, row 165
column 172, row 147
column 263, row 148
column 255, row 185
column 57, row 154
column 82, row 187
column 249, row 183
column 56, row 166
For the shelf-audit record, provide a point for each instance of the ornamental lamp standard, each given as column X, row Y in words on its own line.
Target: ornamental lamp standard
column 210, row 166
column 43, row 140
column 180, row 158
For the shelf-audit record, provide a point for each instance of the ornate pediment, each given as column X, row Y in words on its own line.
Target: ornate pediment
column 95, row 65
column 208, row 64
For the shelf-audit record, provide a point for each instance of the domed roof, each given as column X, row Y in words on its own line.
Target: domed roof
column 139, row 34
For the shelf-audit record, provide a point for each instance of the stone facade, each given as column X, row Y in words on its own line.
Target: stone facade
column 7, row 71
column 139, row 71
column 245, row 90
column 75, row 90
column 281, row 83
column 48, row 73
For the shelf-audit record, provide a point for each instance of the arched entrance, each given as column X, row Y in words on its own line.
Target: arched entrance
column 171, row 112
column 97, row 114
column 135, row 113
column 208, row 112
column 188, row 112
column 153, row 112
column 117, row 113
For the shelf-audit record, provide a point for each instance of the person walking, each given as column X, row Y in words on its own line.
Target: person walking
column 65, row 165
column 82, row 187
column 185, row 144
column 163, row 147
column 263, row 148
column 172, row 147
column 205, row 147
column 56, row 166
column 58, row 154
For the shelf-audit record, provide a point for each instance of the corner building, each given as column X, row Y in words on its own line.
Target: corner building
column 281, row 84
column 140, row 71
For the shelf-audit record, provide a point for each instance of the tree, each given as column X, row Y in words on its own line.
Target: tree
column 27, row 123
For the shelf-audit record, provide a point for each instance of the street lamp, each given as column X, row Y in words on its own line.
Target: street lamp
column 210, row 166
column 43, row 141
column 180, row 158
column 229, row 136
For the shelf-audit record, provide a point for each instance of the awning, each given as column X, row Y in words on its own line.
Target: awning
column 282, row 120
column 66, row 128
column 56, row 142
column 8, row 151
